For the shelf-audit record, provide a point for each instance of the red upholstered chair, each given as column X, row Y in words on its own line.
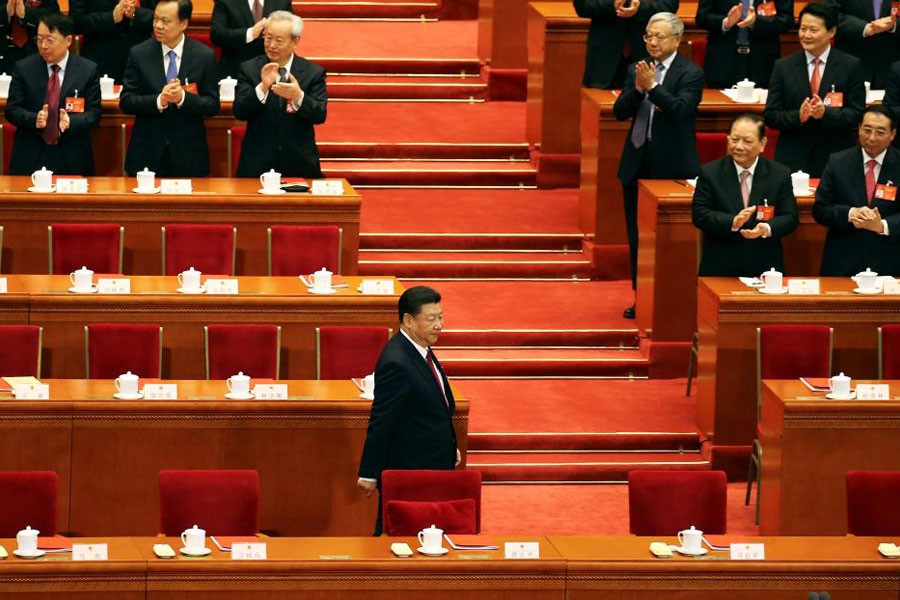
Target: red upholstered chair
column 412, row 500
column 210, row 249
column 771, row 142
column 345, row 351
column 125, row 139
column 114, row 348
column 872, row 503
column 27, row 498
column 301, row 249
column 665, row 502
column 97, row 246
column 253, row 349
column 698, row 53
column 235, row 141
column 20, row 350
column 9, row 133
column 889, row 352
column 711, row 146
column 205, row 39
column 221, row 502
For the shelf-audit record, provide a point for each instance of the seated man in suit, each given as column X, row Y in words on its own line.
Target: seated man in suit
column 816, row 96
column 281, row 96
column 870, row 37
column 661, row 96
column 744, row 204
column 857, row 201
column 170, row 86
column 237, row 27
column 18, row 28
column 54, row 102
column 111, row 28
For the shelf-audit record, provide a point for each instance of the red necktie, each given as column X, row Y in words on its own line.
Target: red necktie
column 870, row 180
column 50, row 134
column 257, row 11
column 429, row 356
column 745, row 188
column 816, row 80
column 19, row 35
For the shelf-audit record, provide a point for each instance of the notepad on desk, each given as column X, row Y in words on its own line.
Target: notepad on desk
column 816, row 384
column 54, row 543
column 471, row 542
column 225, row 542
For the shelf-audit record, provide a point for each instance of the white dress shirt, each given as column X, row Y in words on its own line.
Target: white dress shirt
column 179, row 50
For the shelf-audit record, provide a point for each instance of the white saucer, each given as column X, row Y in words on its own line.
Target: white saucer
column 753, row 101
column 139, row 191
column 275, row 192
column 114, row 96
column 699, row 552
column 763, row 290
column 314, row 291
column 807, row 192
column 831, row 396
column 366, row 397
column 92, row 290
column 862, row 291
column 201, row 552
column 121, row 396
column 198, row 290
column 37, row 554
column 233, row 396
column 440, row 552
column 37, row 190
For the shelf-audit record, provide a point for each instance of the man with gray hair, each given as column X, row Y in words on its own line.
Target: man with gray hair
column 661, row 96
column 281, row 96
column 237, row 28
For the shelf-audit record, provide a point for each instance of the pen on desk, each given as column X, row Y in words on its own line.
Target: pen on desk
column 682, row 182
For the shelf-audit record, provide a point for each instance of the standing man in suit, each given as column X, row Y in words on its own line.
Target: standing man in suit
column 281, row 96
column 868, row 30
column 237, row 27
column 744, row 204
column 857, row 201
column 614, row 39
column 410, row 426
column 170, row 86
column 892, row 94
column 18, row 28
column 816, row 96
column 661, row 96
column 54, row 102
column 111, row 28
column 743, row 39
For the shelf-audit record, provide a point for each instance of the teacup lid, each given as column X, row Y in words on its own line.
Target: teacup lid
column 841, row 376
column 195, row 528
column 4, row 76
column 147, row 170
column 29, row 531
column 128, row 375
column 868, row 271
column 191, row 269
column 44, row 169
column 691, row 530
column 240, row 375
column 83, row 269
column 105, row 77
column 228, row 79
column 324, row 271
column 432, row 528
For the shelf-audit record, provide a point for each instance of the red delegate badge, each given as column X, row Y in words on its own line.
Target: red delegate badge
column 75, row 105
column 886, row 192
column 767, row 9
column 765, row 213
column 834, row 100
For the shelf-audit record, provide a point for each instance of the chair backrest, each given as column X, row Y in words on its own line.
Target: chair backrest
column 302, row 249
column 889, row 352
column 711, row 146
column 114, row 348
column 429, row 486
column 210, row 249
column 346, row 351
column 221, row 502
column 125, row 139
column 791, row 352
column 28, row 498
column 698, row 52
column 665, row 502
column 771, row 142
column 235, row 141
column 872, row 503
column 20, row 350
column 9, row 134
column 97, row 246
column 204, row 38
column 253, row 349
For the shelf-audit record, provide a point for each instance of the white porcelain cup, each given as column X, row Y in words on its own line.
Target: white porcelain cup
column 27, row 540
column 772, row 280
column 369, row 385
column 691, row 539
column 5, row 80
column 146, row 180
column 840, row 385
column 239, row 384
column 190, row 279
column 226, row 88
column 431, row 539
column 106, row 86
column 194, row 539
column 868, row 85
column 43, row 179
column 82, row 279
column 321, row 280
column 270, row 181
column 800, row 183
column 867, row 280
column 127, row 384
column 746, row 90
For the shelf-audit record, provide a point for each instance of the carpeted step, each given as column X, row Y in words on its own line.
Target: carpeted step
column 471, row 241
column 601, row 441
column 433, row 173
column 406, row 87
column 424, row 150
column 542, row 362
column 607, row 338
column 381, row 9
column 461, row 263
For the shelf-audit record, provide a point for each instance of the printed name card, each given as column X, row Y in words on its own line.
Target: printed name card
column 114, row 285
column 522, row 550
column 327, row 187
column 90, row 552
column 175, row 186
column 378, row 287
column 748, row 551
column 69, row 185
column 891, row 286
column 2, row 285
column 271, row 391
column 803, row 287
column 248, row 551
column 31, row 391
column 221, row 286
column 873, row 391
column 161, row 391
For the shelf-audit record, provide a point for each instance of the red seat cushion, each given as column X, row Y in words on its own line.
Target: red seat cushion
column 251, row 349
column 114, row 348
column 95, row 246
column 303, row 249
column 711, row 146
column 221, row 502
column 872, row 503
column 347, row 351
column 665, row 502
column 20, row 348
column 28, row 498
column 426, row 485
column 207, row 248
column 410, row 517
column 793, row 351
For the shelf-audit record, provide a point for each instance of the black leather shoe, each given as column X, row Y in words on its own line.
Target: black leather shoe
column 628, row 313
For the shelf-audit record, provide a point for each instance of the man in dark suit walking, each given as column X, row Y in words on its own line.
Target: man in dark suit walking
column 170, row 86
column 54, row 102
column 111, row 28
column 868, row 30
column 816, row 96
column 661, row 96
column 282, row 97
column 744, row 204
column 857, row 201
column 410, row 426
column 237, row 27
column 615, row 37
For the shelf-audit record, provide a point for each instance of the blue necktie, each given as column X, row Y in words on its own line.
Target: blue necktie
column 743, row 38
column 641, row 129
column 876, row 6
column 172, row 69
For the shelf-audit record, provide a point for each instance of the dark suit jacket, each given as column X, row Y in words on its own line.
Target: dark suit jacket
column 277, row 139
column 807, row 146
column 608, row 34
column 34, row 10
column 105, row 42
column 410, row 425
column 228, row 30
column 717, row 200
column 892, row 94
column 849, row 250
column 673, row 152
column 181, row 129
column 721, row 49
column 877, row 52
column 26, row 97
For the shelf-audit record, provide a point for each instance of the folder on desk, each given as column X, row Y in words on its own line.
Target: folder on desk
column 55, row 543
column 471, row 542
column 225, row 542
column 816, row 384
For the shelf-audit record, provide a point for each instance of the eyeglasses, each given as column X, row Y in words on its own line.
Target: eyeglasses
column 657, row 37
column 46, row 39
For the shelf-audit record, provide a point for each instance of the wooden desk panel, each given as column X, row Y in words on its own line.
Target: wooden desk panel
column 25, row 217
column 809, row 444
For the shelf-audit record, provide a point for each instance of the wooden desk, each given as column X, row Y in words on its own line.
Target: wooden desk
column 728, row 314
column 108, row 452
column 276, row 300
column 809, row 444
column 25, row 217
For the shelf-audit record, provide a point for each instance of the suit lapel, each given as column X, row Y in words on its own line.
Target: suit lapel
column 801, row 72
column 732, row 184
column 185, row 56
column 70, row 81
column 858, row 179
column 758, row 191
column 247, row 14
column 671, row 78
column 828, row 75
column 422, row 367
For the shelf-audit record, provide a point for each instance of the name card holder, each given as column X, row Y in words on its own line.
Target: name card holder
column 873, row 391
column 70, row 185
column 271, row 391
column 175, row 186
column 378, row 287
column 161, row 391
column 3, row 288
column 748, row 551
column 522, row 550
column 221, row 286
column 891, row 286
column 803, row 287
column 90, row 552
column 31, row 391
column 327, row 187
column 248, row 551
column 119, row 285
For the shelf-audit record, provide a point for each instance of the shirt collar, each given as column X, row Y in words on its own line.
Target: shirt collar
column 667, row 63
column 179, row 48
column 823, row 57
column 62, row 64
column 751, row 168
column 420, row 349
column 879, row 159
column 289, row 63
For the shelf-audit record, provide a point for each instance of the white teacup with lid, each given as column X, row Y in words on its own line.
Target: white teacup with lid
column 772, row 280
column 194, row 539
column 189, row 280
column 746, row 91
column 271, row 181
column 238, row 385
column 5, row 80
column 82, row 279
column 146, row 181
column 867, row 280
column 27, row 541
column 226, row 88
column 368, row 385
column 840, row 386
column 321, row 280
column 431, row 539
column 127, row 384
column 800, row 183
column 42, row 179
column 691, row 540
column 106, row 87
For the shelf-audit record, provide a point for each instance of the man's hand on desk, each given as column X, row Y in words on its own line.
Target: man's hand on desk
column 366, row 485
